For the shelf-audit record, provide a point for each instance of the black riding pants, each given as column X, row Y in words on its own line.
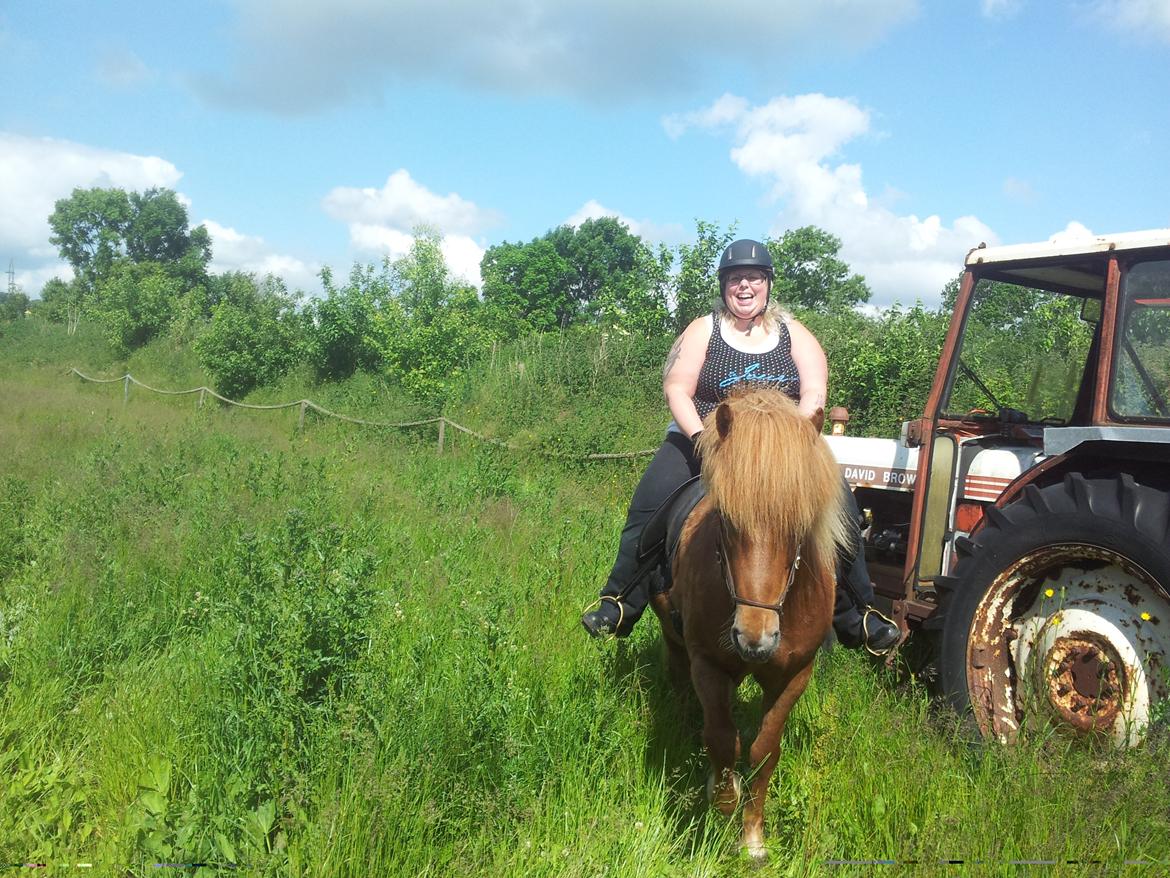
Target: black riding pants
column 673, row 464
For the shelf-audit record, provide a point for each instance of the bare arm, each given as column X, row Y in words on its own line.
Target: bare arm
column 812, row 366
column 680, row 375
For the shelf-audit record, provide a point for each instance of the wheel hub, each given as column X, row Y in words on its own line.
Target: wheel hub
column 1085, row 682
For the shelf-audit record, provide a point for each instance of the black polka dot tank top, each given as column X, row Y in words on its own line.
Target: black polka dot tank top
column 726, row 368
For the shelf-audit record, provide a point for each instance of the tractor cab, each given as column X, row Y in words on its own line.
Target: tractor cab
column 1037, row 533
column 1055, row 352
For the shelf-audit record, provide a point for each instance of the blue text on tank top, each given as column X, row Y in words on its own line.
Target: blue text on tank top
column 752, row 373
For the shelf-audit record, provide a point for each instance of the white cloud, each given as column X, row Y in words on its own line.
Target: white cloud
column 1145, row 18
column 1074, row 231
column 650, row 232
column 403, row 204
column 461, row 253
column 794, row 144
column 235, row 251
column 463, row 256
column 36, row 171
column 726, row 110
column 297, row 57
column 1000, row 9
column 31, row 281
column 383, row 221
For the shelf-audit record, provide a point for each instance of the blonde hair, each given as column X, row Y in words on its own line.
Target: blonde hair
column 771, row 319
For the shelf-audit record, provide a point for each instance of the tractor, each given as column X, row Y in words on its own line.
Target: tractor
column 1021, row 525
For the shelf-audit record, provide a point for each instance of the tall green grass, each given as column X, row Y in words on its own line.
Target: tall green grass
column 338, row 653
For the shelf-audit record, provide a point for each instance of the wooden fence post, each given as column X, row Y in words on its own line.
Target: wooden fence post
column 126, row 389
column 442, row 432
column 301, row 420
column 202, row 391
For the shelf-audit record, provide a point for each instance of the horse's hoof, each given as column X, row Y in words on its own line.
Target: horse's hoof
column 724, row 800
column 755, row 852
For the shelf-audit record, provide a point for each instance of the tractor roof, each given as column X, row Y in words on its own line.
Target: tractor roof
column 1079, row 246
column 1067, row 265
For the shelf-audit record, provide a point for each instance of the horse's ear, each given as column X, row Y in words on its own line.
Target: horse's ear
column 818, row 418
column 723, row 420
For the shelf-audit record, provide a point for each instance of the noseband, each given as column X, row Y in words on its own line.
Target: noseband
column 729, row 580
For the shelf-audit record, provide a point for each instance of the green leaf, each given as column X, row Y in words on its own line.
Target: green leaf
column 225, row 846
column 157, row 775
column 154, row 801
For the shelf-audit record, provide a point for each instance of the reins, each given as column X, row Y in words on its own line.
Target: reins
column 729, row 579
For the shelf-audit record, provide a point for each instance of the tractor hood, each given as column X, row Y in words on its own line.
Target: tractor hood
column 875, row 463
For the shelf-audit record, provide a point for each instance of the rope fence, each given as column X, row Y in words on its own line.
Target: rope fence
column 308, row 404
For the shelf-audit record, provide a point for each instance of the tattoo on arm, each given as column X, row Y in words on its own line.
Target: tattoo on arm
column 672, row 357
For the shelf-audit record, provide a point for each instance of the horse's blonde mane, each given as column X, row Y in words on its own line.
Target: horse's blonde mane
column 772, row 475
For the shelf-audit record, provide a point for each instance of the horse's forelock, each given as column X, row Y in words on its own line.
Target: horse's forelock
column 772, row 475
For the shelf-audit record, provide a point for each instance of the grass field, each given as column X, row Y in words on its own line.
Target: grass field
column 337, row 653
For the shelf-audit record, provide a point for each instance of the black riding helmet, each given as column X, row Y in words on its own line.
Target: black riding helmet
column 746, row 253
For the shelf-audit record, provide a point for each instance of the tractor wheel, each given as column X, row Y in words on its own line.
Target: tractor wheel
column 1059, row 612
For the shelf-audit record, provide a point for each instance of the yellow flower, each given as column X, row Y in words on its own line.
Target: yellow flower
column 1145, row 617
column 1048, row 592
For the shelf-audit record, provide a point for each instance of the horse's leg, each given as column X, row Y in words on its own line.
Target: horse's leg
column 678, row 663
column 714, row 688
column 765, row 753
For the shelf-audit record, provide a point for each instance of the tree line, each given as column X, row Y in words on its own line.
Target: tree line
column 141, row 273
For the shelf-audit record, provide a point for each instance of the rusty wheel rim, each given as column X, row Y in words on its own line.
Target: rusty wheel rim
column 1073, row 635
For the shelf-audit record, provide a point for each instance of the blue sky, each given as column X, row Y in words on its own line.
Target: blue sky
column 308, row 134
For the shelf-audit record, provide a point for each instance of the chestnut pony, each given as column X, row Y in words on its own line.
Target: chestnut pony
column 753, row 579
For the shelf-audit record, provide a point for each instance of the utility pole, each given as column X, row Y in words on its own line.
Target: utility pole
column 11, row 278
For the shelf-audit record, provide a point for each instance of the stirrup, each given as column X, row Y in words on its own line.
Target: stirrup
column 880, row 653
column 621, row 611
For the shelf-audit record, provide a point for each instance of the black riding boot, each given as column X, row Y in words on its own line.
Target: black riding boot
column 855, row 621
column 626, row 592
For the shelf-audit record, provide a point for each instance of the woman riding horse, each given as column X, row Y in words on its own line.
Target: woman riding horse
column 748, row 340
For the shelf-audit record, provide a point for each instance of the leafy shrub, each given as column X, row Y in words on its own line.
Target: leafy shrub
column 255, row 336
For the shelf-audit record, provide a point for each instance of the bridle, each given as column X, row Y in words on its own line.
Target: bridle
column 729, row 579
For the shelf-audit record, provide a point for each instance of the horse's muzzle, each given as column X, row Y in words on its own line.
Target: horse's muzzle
column 755, row 649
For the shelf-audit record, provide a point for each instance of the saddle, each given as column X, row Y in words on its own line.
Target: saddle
column 659, row 539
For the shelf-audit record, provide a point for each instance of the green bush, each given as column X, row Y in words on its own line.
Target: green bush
column 256, row 335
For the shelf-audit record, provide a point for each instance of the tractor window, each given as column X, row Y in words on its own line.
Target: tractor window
column 1141, row 370
column 1022, row 349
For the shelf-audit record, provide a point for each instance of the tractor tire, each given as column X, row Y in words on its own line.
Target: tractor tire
column 1058, row 612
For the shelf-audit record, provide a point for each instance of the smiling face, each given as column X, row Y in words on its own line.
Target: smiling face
column 745, row 292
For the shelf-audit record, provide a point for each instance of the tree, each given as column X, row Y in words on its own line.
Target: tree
column 597, row 273
column 810, row 274
column 13, row 305
column 603, row 256
column 89, row 230
column 423, row 279
column 526, row 288
column 255, row 336
column 346, row 334
column 136, row 302
column 696, row 289
column 134, row 259
column 432, row 328
column 62, row 302
column 636, row 301
column 880, row 368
